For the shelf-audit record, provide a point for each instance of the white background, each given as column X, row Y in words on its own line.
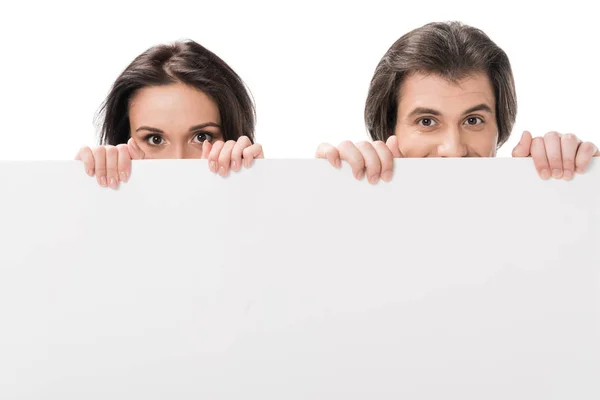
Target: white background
column 308, row 64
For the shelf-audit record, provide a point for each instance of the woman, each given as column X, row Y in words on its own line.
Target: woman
column 174, row 101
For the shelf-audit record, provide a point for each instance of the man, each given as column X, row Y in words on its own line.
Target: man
column 447, row 90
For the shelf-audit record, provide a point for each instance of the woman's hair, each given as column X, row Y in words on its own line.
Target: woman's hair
column 184, row 62
column 451, row 50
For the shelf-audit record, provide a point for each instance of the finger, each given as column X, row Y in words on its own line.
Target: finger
column 206, row 147
column 394, row 146
column 386, row 159
column 224, row 160
column 523, row 148
column 213, row 156
column 100, row 164
column 584, row 155
column 135, row 152
column 123, row 162
column 554, row 153
column 325, row 150
column 569, row 145
column 112, row 167
column 251, row 153
column 87, row 157
column 352, row 155
column 237, row 152
column 372, row 161
column 540, row 160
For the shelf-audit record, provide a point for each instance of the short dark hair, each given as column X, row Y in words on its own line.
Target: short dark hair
column 449, row 49
column 189, row 63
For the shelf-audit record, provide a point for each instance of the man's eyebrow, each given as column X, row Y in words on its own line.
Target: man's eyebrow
column 148, row 128
column 423, row 110
column 479, row 107
column 196, row 127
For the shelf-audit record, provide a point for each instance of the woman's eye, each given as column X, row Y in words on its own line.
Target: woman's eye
column 427, row 122
column 474, row 121
column 155, row 140
column 202, row 137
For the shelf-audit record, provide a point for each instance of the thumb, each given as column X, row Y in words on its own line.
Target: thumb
column 134, row 150
column 523, row 148
column 392, row 144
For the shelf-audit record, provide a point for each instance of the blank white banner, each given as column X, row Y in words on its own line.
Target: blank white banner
column 460, row 279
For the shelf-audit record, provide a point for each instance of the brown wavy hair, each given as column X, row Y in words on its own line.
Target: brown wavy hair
column 449, row 49
column 189, row 63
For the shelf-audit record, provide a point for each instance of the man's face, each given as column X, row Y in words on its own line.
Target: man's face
column 439, row 118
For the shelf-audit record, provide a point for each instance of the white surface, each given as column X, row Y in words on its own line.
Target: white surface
column 308, row 64
column 461, row 279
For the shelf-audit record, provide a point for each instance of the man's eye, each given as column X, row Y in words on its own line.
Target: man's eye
column 202, row 137
column 474, row 121
column 155, row 140
column 427, row 122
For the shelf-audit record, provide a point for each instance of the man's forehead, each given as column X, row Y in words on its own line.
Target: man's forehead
column 420, row 90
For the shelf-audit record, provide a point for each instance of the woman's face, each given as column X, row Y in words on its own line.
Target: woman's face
column 172, row 121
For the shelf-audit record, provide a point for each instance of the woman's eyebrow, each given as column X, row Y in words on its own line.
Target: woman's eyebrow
column 206, row 124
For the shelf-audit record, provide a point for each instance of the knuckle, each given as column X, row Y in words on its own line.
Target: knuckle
column 358, row 162
column 111, row 151
column 555, row 160
column 330, row 151
column 112, row 170
column 569, row 164
column 100, row 150
column 84, row 150
column 587, row 147
column 224, row 155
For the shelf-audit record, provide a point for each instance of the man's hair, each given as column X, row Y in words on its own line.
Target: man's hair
column 451, row 50
column 189, row 63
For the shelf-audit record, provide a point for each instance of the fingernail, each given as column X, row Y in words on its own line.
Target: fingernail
column 103, row 181
column 213, row 166
column 374, row 178
column 556, row 173
column 360, row 175
column 579, row 170
column 222, row 171
column 568, row 174
column 545, row 174
column 90, row 172
column 113, row 183
column 387, row 176
column 123, row 176
column 233, row 165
